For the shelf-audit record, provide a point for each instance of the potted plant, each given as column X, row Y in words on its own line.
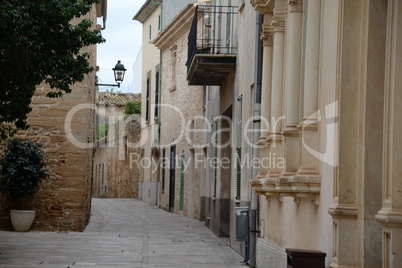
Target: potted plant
column 23, row 166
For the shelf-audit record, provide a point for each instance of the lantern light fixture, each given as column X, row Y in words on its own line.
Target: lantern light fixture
column 119, row 72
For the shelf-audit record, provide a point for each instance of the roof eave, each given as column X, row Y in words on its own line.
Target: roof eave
column 146, row 10
column 175, row 28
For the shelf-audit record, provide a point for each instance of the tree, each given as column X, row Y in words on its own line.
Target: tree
column 39, row 43
column 132, row 107
column 102, row 131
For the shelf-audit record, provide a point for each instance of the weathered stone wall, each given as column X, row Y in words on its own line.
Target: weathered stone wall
column 115, row 175
column 188, row 103
column 63, row 200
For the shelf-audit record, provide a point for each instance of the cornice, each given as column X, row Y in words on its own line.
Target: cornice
column 343, row 211
column 296, row 5
column 267, row 34
column 180, row 24
column 263, row 6
column 298, row 187
column 146, row 10
column 389, row 217
column 278, row 20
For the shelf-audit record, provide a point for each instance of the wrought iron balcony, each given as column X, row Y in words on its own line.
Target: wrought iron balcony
column 212, row 45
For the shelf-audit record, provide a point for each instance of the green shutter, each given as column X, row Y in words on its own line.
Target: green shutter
column 182, row 183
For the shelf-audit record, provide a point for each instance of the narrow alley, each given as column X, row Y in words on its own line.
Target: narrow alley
column 122, row 233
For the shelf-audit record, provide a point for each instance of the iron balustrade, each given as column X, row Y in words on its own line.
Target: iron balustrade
column 212, row 31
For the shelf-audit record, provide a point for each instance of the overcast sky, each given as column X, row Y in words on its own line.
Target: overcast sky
column 123, row 42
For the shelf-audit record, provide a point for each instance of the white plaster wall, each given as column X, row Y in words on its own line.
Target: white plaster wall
column 150, row 60
column 270, row 255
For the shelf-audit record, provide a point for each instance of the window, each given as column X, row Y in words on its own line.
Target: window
column 150, row 33
column 103, row 177
column 147, row 100
column 99, row 179
column 96, row 178
column 99, row 170
column 173, row 63
column 163, row 168
column 182, row 174
column 174, row 59
column 156, row 92
column 142, row 166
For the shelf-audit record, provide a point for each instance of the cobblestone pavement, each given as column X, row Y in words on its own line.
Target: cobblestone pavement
column 122, row 233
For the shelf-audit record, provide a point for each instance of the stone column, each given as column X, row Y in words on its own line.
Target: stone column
column 267, row 37
column 309, row 137
column 293, row 70
column 275, row 138
column 390, row 215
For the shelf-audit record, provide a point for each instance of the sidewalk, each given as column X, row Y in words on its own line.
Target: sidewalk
column 122, row 233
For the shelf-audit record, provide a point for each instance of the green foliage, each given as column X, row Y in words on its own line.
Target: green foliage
column 23, row 168
column 102, row 131
column 132, row 107
column 39, row 43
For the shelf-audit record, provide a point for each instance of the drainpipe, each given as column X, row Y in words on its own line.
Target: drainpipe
column 159, row 95
column 104, row 14
column 254, row 206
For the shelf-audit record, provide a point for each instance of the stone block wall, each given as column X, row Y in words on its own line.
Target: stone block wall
column 63, row 201
column 184, row 104
column 116, row 175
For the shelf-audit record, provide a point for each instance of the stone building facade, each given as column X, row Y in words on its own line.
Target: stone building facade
column 319, row 157
column 230, row 92
column 181, row 144
column 154, row 16
column 329, row 83
column 65, row 128
column 114, row 173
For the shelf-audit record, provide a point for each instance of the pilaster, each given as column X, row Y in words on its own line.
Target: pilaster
column 345, row 210
column 293, row 73
column 390, row 215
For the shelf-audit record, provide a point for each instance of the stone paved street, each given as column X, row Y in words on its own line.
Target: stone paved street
column 122, row 233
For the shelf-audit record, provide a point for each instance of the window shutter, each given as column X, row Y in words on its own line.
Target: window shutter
column 156, row 111
column 163, row 168
column 238, row 146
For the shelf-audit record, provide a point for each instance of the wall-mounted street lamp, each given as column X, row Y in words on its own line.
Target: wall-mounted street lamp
column 119, row 72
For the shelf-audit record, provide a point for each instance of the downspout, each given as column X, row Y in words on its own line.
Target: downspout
column 159, row 94
column 104, row 14
column 254, row 206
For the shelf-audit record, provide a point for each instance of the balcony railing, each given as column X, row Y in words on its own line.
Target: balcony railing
column 212, row 35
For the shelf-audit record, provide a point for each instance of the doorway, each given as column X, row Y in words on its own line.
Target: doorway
column 172, row 184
